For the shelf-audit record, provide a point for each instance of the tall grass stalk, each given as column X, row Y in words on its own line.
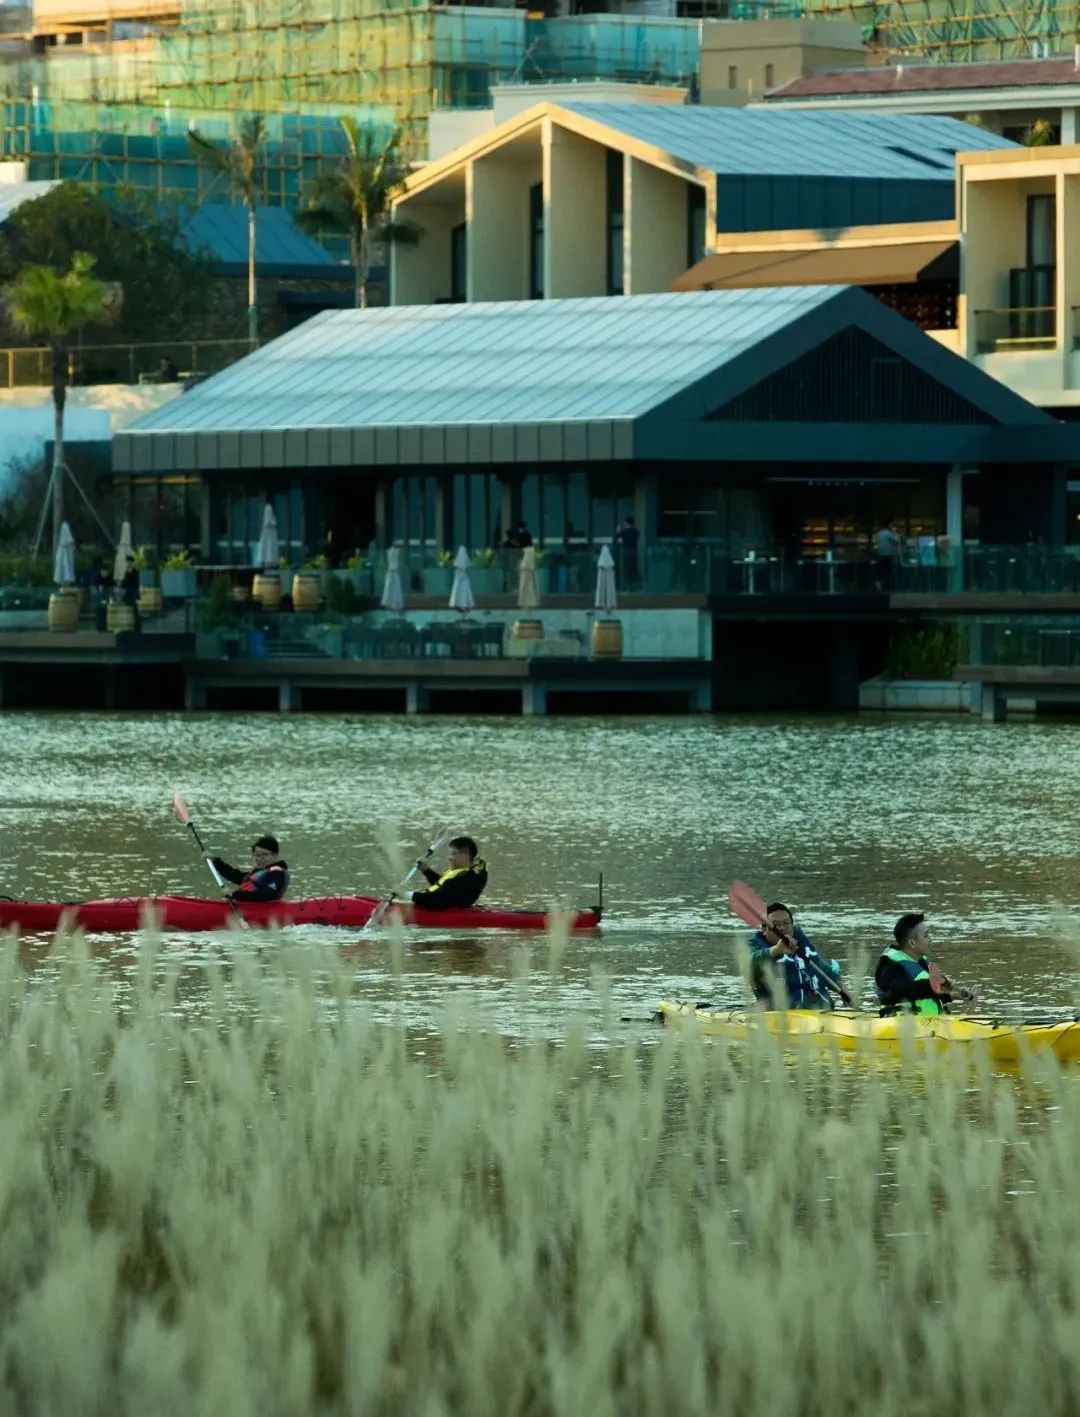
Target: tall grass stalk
column 269, row 1204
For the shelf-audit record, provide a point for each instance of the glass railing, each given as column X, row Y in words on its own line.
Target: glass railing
column 1041, row 642
column 1015, row 328
column 166, row 363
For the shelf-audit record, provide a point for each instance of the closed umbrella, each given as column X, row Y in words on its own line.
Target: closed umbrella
column 64, row 562
column 461, row 592
column 528, row 589
column 393, row 597
column 606, row 599
column 124, row 549
column 268, row 551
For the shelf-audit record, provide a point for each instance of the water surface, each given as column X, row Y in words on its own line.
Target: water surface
column 850, row 820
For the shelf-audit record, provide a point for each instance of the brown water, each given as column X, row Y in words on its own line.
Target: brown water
column 850, row 820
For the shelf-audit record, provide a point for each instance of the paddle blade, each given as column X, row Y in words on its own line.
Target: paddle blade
column 746, row 904
column 180, row 811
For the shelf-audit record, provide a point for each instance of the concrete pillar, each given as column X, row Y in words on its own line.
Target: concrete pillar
column 286, row 701
column 533, row 699
column 1067, row 295
column 654, row 231
column 701, row 700
column 497, row 239
column 575, row 214
column 421, row 274
column 194, row 693
column 954, row 524
column 993, row 704
column 382, row 509
column 109, row 686
column 1068, row 126
column 417, row 698
column 206, row 527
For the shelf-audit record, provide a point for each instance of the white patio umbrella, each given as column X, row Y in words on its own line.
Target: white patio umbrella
column 268, row 551
column 64, row 563
column 528, row 588
column 393, row 597
column 124, row 549
column 461, row 592
column 606, row 599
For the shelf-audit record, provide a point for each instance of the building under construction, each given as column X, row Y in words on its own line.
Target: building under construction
column 104, row 91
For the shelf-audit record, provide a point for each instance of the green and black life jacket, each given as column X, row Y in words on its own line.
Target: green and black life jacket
column 918, row 971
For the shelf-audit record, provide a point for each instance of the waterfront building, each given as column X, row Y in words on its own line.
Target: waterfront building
column 579, row 199
column 748, row 421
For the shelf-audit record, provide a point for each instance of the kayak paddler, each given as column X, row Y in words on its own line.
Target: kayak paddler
column 268, row 878
column 905, row 978
column 783, row 946
column 460, row 885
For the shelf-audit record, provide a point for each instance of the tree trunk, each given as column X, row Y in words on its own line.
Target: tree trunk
column 253, row 309
column 363, row 269
column 59, row 392
column 358, row 284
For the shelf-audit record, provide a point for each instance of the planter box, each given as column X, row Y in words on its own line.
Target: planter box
column 178, row 585
column 436, row 581
column 915, row 695
column 487, row 580
column 148, row 578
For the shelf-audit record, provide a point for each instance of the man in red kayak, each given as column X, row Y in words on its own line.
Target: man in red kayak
column 460, row 885
column 268, row 878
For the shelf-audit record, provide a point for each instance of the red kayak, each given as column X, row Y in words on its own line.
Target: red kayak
column 181, row 912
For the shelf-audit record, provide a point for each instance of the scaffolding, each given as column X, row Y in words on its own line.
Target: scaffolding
column 960, row 31
column 115, row 110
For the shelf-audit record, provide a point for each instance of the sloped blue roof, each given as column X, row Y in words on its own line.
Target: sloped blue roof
column 524, row 361
column 281, row 247
column 797, row 143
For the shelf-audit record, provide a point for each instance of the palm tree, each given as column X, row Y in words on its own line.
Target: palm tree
column 354, row 198
column 239, row 159
column 47, row 305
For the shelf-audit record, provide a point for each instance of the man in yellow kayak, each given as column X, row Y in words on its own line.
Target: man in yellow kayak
column 905, row 978
column 806, row 977
column 460, row 885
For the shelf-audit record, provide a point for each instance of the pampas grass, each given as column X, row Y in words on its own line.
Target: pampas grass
column 267, row 1204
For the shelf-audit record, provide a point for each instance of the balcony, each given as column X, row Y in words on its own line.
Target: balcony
column 1015, row 328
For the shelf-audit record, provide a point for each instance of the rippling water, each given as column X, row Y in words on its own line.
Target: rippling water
column 850, row 820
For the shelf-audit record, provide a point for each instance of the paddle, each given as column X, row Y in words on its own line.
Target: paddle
column 384, row 905
column 182, row 815
column 750, row 908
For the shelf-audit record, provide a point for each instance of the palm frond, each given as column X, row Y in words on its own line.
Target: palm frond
column 46, row 304
column 399, row 233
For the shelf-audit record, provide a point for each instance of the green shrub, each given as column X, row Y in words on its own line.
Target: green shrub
column 930, row 653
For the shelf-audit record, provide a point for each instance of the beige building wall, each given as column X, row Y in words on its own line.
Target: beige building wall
column 575, row 214
column 498, row 227
column 420, row 274
column 743, row 59
column 654, row 230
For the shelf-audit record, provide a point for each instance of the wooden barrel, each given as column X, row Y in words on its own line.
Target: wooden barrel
column 266, row 589
column 527, row 630
column 64, row 609
column 119, row 618
column 149, row 600
column 607, row 639
column 307, row 590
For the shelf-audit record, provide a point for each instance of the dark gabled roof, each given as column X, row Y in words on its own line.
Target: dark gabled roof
column 545, row 381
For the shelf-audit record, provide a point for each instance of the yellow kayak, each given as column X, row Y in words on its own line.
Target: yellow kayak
column 848, row 1031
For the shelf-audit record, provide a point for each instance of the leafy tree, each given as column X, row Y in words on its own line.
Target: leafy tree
column 240, row 160
column 354, row 198
column 166, row 286
column 48, row 305
column 1039, row 135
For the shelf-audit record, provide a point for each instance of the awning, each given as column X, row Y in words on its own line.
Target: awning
column 902, row 263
